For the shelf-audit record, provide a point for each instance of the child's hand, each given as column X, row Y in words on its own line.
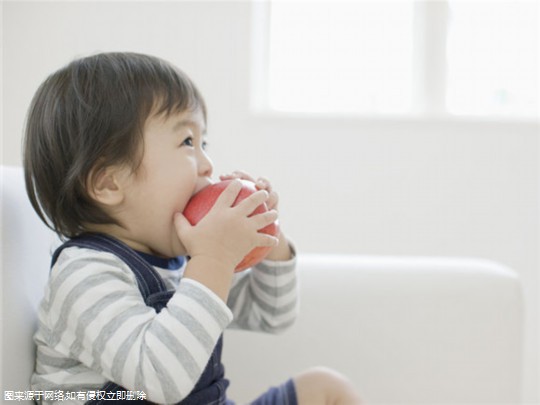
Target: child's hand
column 282, row 251
column 226, row 234
column 261, row 184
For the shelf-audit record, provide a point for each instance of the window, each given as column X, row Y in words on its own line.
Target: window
column 493, row 58
column 400, row 57
column 323, row 58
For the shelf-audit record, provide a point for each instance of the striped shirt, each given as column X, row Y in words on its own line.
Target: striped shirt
column 94, row 326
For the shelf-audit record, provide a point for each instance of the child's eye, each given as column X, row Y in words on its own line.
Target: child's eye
column 204, row 145
column 188, row 141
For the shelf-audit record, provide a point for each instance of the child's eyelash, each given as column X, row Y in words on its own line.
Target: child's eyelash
column 188, row 141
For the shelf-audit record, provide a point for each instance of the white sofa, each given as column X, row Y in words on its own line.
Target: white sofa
column 406, row 330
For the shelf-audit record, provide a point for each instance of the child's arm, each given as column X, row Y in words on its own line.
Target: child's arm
column 96, row 316
column 264, row 298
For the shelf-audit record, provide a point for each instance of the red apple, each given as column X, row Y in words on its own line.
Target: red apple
column 199, row 205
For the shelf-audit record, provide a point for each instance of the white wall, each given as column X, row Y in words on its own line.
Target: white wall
column 390, row 187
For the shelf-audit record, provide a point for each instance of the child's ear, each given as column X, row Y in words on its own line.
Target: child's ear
column 105, row 187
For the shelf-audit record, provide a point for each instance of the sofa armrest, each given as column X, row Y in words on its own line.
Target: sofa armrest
column 25, row 256
column 404, row 329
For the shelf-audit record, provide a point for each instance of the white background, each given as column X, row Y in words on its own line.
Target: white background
column 434, row 186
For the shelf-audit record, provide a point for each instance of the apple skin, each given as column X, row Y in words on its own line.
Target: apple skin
column 200, row 203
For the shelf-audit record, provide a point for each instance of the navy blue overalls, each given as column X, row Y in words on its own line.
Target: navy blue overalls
column 211, row 387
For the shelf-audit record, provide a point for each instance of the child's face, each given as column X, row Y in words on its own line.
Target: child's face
column 174, row 167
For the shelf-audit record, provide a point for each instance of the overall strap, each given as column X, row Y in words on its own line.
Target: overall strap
column 148, row 279
column 211, row 387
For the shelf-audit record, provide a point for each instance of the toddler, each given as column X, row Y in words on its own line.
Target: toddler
column 138, row 299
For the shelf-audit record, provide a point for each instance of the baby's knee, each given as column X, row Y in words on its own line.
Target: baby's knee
column 322, row 385
column 323, row 375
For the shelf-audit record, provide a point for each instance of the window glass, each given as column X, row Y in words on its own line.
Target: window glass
column 493, row 58
column 341, row 57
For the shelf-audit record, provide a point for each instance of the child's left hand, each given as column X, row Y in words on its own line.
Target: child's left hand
column 282, row 251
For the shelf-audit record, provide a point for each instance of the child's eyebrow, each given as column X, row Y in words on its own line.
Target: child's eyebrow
column 188, row 123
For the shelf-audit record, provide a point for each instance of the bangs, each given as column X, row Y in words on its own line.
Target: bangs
column 173, row 92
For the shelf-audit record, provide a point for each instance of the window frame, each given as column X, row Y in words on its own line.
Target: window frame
column 431, row 20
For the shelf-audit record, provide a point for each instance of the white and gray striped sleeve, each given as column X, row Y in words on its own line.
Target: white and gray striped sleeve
column 264, row 298
column 98, row 317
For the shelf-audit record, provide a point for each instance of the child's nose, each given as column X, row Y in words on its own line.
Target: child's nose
column 205, row 165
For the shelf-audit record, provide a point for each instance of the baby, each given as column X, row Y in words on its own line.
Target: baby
column 138, row 299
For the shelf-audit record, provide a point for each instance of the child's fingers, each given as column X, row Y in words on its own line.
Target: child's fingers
column 264, row 240
column 248, row 205
column 266, row 218
column 223, row 177
column 228, row 196
column 263, row 183
column 273, row 199
column 237, row 174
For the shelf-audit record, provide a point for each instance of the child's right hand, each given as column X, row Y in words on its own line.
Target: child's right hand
column 226, row 234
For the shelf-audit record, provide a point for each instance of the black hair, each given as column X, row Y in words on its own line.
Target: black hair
column 90, row 115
